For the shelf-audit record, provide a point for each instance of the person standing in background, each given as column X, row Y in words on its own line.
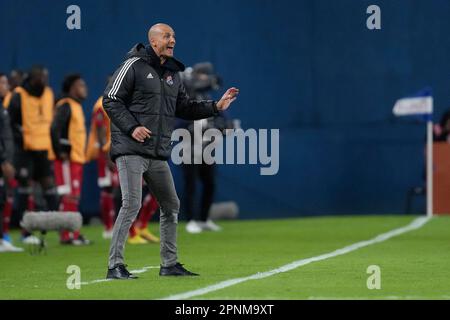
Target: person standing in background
column 15, row 79
column 98, row 145
column 4, row 89
column 441, row 130
column 68, row 135
column 199, row 82
column 6, row 167
column 31, row 114
column 10, row 183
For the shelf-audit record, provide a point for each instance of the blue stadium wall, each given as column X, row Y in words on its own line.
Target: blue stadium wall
column 310, row 68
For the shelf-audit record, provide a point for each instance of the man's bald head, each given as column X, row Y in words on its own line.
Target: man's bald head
column 162, row 39
column 158, row 29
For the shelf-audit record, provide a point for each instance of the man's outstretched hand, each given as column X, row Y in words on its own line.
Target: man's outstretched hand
column 227, row 99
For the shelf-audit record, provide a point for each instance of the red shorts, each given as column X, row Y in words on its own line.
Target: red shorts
column 106, row 176
column 68, row 176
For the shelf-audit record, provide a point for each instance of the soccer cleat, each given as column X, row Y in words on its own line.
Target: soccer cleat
column 175, row 270
column 147, row 235
column 107, row 234
column 31, row 240
column 120, row 272
column 209, row 225
column 193, row 227
column 6, row 246
column 137, row 239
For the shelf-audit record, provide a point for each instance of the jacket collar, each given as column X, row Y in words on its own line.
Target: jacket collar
column 147, row 53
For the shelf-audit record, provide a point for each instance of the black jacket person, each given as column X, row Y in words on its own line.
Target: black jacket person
column 6, row 154
column 143, row 98
column 6, row 140
column 144, row 93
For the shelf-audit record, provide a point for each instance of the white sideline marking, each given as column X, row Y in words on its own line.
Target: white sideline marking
column 376, row 298
column 144, row 269
column 415, row 224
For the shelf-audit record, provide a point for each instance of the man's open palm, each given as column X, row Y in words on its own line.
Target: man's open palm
column 228, row 97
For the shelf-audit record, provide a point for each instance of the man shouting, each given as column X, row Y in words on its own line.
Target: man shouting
column 143, row 98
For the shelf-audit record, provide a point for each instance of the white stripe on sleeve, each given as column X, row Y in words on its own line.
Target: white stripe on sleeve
column 118, row 81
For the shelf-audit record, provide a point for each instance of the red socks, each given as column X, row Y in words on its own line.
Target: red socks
column 107, row 209
column 7, row 211
column 148, row 209
column 69, row 204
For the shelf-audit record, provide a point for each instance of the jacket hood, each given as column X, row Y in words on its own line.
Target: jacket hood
column 147, row 53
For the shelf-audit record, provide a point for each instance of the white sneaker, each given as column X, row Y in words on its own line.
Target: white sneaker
column 209, row 225
column 193, row 227
column 6, row 246
column 31, row 240
column 107, row 234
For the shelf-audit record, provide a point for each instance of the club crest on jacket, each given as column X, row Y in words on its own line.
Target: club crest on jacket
column 169, row 80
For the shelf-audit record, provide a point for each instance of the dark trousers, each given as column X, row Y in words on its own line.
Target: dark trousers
column 206, row 174
column 33, row 166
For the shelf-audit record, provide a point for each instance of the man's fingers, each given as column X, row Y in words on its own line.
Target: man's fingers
column 232, row 92
column 138, row 137
column 141, row 134
column 145, row 133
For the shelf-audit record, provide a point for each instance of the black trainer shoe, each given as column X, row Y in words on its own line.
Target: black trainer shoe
column 120, row 272
column 176, row 270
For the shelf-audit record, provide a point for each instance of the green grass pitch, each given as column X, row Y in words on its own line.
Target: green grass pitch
column 414, row 265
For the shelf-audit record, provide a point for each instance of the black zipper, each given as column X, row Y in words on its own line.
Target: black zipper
column 158, row 138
